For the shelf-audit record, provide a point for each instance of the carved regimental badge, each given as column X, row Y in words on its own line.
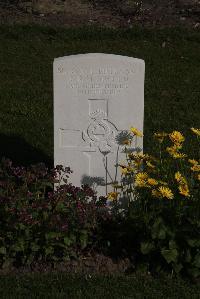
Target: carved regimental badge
column 101, row 132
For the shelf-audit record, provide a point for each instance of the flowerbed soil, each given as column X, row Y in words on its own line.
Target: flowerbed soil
column 89, row 264
column 75, row 13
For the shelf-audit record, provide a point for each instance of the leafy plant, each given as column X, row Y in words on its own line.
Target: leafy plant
column 163, row 207
column 40, row 222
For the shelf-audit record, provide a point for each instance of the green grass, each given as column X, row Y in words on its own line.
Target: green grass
column 74, row 287
column 172, row 92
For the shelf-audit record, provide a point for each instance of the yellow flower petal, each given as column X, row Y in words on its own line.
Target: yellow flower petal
column 176, row 137
column 166, row 192
column 184, row 190
column 179, row 178
column 149, row 164
column 196, row 131
column 136, row 132
column 112, row 195
column 152, row 182
column 141, row 179
column 155, row 193
column 195, row 168
column 193, row 161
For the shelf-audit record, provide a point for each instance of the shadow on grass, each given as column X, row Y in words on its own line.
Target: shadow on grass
column 20, row 152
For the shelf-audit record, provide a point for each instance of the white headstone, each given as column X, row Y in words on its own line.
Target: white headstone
column 96, row 96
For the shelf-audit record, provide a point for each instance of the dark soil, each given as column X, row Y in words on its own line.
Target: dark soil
column 76, row 13
column 87, row 265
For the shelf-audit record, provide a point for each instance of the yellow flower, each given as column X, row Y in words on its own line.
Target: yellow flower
column 140, row 155
column 160, row 136
column 162, row 183
column 192, row 161
column 166, row 192
column 173, row 151
column 196, row 131
column 112, row 195
column 196, row 165
column 155, row 193
column 141, row 179
column 137, row 159
column 137, row 163
column 142, row 176
column 198, row 177
column 176, row 137
column 136, row 132
column 179, row 156
column 184, row 190
column 195, row 168
column 152, row 182
column 149, row 164
column 179, row 178
column 124, row 170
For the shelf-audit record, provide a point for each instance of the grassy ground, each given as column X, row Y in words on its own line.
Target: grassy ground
column 26, row 90
column 74, row 287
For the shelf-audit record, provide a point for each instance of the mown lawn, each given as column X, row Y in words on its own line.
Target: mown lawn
column 74, row 287
column 172, row 92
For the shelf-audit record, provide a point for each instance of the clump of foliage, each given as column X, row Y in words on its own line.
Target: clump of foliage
column 152, row 216
column 161, row 223
column 43, row 223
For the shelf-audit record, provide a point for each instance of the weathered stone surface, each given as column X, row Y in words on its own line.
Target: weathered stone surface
column 96, row 96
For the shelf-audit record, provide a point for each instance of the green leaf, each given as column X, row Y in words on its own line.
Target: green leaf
column 158, row 230
column 3, row 250
column 67, row 241
column 35, row 247
column 52, row 235
column 177, row 267
column 45, row 215
column 146, row 247
column 193, row 242
column 19, row 246
column 172, row 244
column 188, row 256
column 21, row 226
column 83, row 240
column 195, row 272
column 161, row 234
column 196, row 262
column 60, row 207
column 7, row 263
column 170, row 255
column 49, row 250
